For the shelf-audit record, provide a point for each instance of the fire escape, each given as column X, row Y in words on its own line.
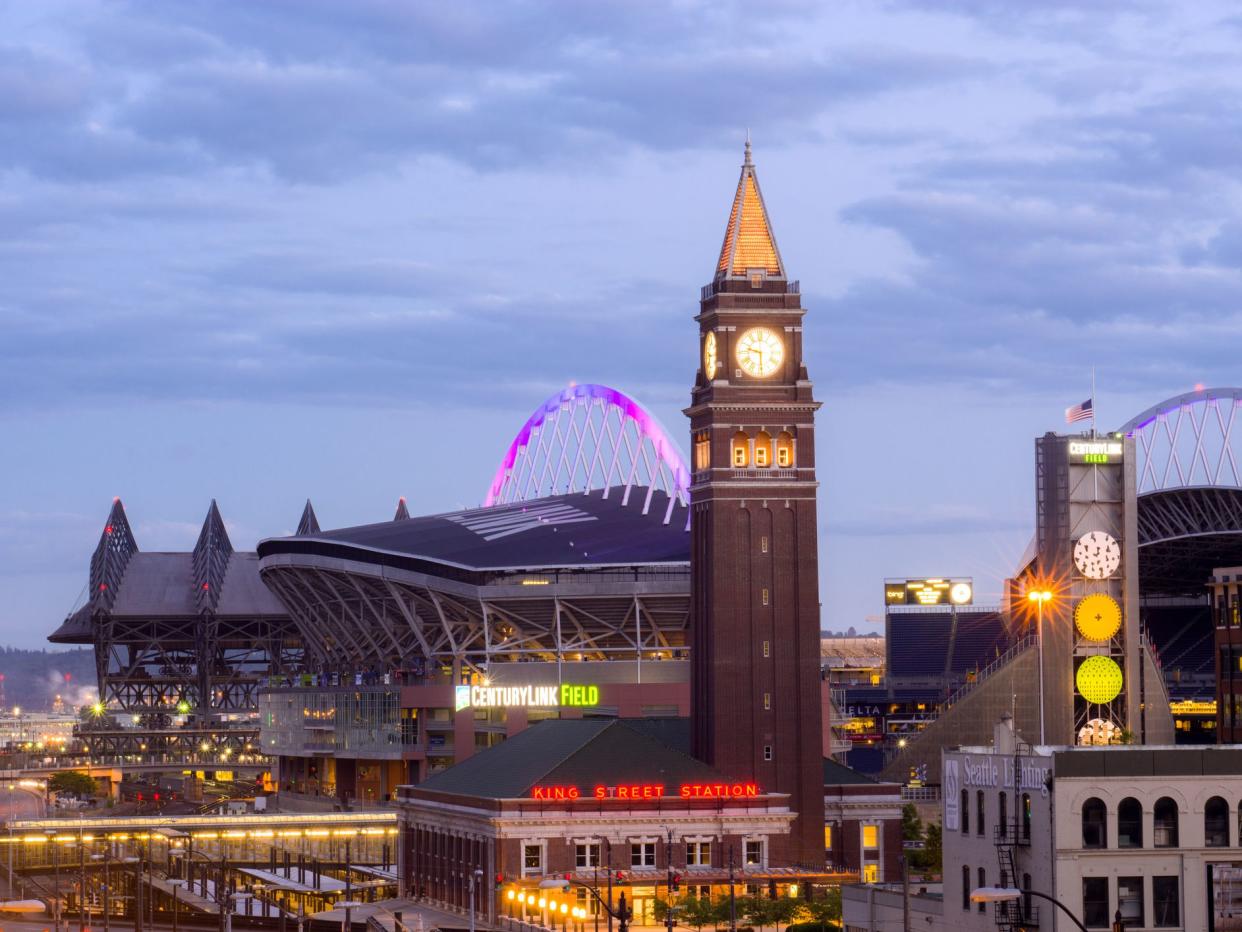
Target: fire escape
column 1020, row 914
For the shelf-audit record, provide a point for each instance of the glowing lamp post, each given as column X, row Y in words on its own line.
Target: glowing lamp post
column 1010, row 894
column 1039, row 597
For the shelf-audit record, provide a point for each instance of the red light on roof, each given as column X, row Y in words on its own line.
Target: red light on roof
column 108, row 529
column 68, row 677
column 205, row 586
column 103, row 586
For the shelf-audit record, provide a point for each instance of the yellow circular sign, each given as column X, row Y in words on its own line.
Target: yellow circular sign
column 1097, row 617
column 1099, row 680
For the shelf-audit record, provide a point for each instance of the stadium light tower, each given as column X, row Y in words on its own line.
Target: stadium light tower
column 1039, row 597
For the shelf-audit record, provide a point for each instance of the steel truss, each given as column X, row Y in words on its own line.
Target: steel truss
column 181, row 743
column 394, row 618
column 1189, row 440
column 591, row 437
column 207, row 661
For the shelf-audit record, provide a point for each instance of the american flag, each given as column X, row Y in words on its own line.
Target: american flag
column 1079, row 412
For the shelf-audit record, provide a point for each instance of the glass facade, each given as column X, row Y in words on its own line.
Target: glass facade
column 356, row 722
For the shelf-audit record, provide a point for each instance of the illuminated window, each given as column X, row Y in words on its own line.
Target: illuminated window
column 763, row 544
column 871, row 836
column 754, row 854
column 827, row 837
column 767, row 752
column 767, row 701
column 702, row 451
column 698, row 854
column 765, row 596
column 784, row 449
column 766, row 650
column 763, row 449
column 532, row 860
column 741, row 450
column 756, row 280
column 870, row 873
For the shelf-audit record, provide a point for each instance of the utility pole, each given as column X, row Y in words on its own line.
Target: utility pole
column 668, row 870
column 732, row 895
column 905, row 893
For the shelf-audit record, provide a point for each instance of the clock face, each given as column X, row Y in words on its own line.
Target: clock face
column 760, row 352
column 1097, row 555
column 709, row 355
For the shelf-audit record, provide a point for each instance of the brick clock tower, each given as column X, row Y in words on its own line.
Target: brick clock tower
column 755, row 690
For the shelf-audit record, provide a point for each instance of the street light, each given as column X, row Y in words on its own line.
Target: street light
column 176, row 885
column 1039, row 597
column 1009, row 894
column 475, row 876
column 621, row 913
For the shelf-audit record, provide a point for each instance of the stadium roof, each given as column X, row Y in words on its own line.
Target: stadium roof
column 578, row 530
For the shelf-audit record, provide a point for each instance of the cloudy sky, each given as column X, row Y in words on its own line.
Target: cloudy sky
column 261, row 251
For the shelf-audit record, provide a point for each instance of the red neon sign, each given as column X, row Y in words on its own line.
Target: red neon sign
column 640, row 791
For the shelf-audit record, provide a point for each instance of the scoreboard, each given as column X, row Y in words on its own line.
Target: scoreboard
column 929, row 591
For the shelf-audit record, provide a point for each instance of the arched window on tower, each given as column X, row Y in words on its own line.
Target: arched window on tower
column 702, row 451
column 741, row 450
column 784, row 450
column 763, row 449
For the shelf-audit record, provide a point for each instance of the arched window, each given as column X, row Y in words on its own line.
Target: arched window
column 1026, row 816
column 979, row 814
column 1003, row 816
column 1216, row 823
column 966, row 814
column 784, row 449
column 1026, row 897
column 1094, row 824
column 965, row 885
column 983, row 882
column 741, row 450
column 1130, row 823
column 1164, row 823
column 763, row 449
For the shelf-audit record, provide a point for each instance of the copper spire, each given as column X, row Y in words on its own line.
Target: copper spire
column 749, row 245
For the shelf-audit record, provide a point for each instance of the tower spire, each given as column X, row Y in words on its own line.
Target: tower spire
column 749, row 245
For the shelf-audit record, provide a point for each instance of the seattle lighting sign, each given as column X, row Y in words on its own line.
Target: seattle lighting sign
column 543, row 697
column 640, row 791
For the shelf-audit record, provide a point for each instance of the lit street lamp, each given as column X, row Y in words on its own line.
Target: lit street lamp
column 1009, row 894
column 1039, row 597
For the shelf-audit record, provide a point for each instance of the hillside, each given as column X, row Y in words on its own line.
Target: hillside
column 33, row 678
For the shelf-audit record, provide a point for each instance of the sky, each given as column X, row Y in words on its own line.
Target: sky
column 266, row 251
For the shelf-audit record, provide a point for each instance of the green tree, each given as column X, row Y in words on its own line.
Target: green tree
column 911, row 824
column 932, row 855
column 826, row 910
column 72, row 781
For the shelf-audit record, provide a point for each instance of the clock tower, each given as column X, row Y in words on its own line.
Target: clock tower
column 754, row 567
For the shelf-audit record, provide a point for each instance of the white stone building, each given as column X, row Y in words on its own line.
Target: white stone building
column 1150, row 832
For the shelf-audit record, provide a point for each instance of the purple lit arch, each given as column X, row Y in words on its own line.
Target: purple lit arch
column 591, row 437
column 1189, row 441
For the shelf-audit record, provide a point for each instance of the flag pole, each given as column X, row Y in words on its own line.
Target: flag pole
column 1093, row 402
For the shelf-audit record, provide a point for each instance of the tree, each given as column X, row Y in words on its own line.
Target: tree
column 911, row 824
column 826, row 910
column 932, row 855
column 72, row 781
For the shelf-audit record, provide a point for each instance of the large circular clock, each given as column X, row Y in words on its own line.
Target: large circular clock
column 709, row 355
column 760, row 352
column 1097, row 555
